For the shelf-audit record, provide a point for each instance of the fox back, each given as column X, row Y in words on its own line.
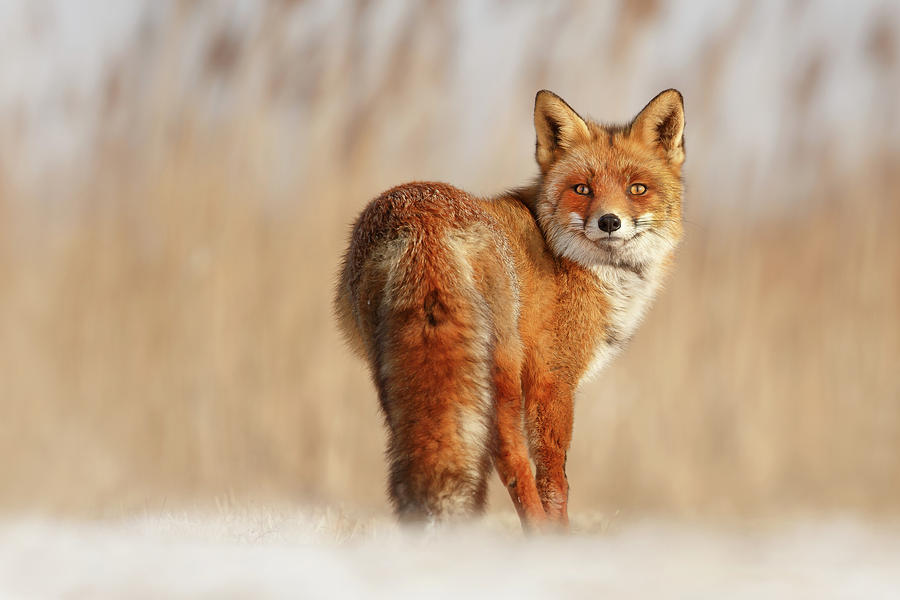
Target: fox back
column 479, row 317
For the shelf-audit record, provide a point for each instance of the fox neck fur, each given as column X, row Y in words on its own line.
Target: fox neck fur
column 609, row 299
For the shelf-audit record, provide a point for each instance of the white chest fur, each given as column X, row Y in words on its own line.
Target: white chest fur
column 629, row 294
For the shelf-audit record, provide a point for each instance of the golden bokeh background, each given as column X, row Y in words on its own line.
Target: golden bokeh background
column 177, row 181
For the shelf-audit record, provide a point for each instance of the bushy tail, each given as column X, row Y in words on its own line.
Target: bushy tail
column 432, row 349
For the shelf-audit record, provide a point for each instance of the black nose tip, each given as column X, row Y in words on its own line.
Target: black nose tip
column 609, row 223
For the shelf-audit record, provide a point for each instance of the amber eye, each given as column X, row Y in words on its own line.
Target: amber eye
column 638, row 189
column 582, row 189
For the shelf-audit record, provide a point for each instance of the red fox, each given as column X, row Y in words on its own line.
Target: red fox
column 479, row 317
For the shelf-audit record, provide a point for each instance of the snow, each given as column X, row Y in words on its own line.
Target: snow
column 301, row 555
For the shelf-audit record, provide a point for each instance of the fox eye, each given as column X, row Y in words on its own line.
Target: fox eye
column 638, row 189
column 582, row 189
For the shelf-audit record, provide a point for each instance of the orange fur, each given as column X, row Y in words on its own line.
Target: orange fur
column 480, row 317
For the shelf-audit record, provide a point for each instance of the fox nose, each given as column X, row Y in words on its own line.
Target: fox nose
column 609, row 223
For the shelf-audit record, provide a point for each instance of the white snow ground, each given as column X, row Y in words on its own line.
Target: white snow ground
column 295, row 555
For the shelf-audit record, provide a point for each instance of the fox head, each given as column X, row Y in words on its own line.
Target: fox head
column 610, row 195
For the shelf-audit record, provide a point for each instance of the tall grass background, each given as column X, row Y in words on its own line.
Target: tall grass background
column 177, row 182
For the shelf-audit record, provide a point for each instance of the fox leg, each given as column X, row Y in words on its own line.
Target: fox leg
column 549, row 412
column 511, row 453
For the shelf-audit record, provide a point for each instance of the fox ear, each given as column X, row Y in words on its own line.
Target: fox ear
column 661, row 125
column 557, row 126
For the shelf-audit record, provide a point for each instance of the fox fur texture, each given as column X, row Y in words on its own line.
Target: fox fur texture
column 479, row 317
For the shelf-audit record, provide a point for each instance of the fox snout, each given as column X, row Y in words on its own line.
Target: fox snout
column 609, row 223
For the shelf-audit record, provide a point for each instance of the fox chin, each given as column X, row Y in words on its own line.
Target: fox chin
column 480, row 317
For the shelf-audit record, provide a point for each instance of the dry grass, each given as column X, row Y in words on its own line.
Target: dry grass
column 165, row 328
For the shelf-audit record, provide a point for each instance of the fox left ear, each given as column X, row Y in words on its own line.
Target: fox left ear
column 661, row 125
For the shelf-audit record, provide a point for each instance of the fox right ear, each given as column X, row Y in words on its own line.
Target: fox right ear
column 557, row 126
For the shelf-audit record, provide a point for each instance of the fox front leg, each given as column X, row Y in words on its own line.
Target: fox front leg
column 549, row 411
column 511, row 452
